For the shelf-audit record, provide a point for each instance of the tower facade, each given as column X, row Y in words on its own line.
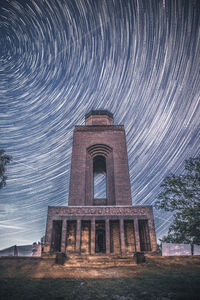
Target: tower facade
column 99, row 217
column 99, row 147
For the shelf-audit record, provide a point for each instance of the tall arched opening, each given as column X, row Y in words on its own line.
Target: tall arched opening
column 99, row 177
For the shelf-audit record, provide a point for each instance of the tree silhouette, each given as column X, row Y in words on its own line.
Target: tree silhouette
column 181, row 195
column 4, row 160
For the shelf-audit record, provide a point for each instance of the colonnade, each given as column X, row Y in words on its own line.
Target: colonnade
column 108, row 238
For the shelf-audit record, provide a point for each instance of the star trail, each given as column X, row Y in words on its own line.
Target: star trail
column 59, row 59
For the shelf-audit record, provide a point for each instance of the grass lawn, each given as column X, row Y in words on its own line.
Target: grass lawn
column 155, row 280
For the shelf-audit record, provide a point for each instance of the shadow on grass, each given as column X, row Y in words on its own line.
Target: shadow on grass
column 148, row 285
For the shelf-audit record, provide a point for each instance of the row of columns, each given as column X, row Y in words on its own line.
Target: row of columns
column 107, row 232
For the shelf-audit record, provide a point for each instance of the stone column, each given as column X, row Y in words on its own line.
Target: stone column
column 78, row 236
column 107, row 236
column 137, row 236
column 123, row 247
column 48, row 236
column 64, row 234
column 92, row 242
column 152, row 235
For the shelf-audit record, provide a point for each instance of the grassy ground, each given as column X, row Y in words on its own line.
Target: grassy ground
column 158, row 278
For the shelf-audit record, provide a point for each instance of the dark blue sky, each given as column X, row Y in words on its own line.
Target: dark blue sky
column 138, row 59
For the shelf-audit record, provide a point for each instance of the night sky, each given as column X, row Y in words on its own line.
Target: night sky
column 139, row 59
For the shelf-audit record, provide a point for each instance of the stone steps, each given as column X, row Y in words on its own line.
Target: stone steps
column 99, row 261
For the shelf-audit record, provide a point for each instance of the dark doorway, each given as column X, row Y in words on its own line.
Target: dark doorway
column 100, row 237
column 145, row 244
column 56, row 236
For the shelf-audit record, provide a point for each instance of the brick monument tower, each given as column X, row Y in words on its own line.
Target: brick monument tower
column 99, row 218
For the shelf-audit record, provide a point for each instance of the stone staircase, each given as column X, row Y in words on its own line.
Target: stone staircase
column 99, row 261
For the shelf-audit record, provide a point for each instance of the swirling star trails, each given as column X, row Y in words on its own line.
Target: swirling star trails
column 59, row 60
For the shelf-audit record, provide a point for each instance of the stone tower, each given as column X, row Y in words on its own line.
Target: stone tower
column 99, row 146
column 100, row 217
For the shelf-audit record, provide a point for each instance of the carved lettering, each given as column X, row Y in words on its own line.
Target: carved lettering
column 64, row 211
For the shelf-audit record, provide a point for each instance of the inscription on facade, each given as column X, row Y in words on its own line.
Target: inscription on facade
column 105, row 211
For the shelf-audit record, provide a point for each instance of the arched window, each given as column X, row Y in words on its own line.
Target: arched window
column 99, row 175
